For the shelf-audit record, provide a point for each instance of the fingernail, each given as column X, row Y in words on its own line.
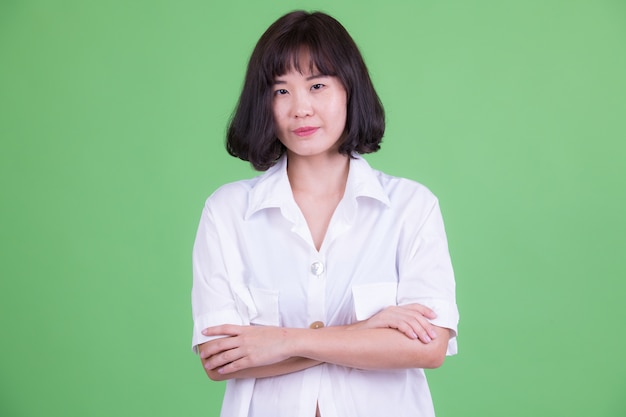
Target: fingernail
column 433, row 334
column 426, row 339
column 413, row 335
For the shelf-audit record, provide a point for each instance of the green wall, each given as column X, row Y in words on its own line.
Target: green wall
column 112, row 117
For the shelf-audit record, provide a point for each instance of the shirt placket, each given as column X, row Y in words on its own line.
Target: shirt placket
column 316, row 319
column 316, row 291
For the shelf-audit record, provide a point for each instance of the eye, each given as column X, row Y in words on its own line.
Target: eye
column 280, row 92
column 317, row 86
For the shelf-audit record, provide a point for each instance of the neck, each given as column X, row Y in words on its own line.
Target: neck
column 324, row 175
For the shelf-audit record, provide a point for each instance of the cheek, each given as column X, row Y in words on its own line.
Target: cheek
column 341, row 107
column 341, row 113
column 278, row 115
column 280, row 124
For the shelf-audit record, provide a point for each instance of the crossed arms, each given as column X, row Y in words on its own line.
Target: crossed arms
column 396, row 337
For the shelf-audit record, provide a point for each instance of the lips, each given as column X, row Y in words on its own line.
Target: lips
column 305, row 130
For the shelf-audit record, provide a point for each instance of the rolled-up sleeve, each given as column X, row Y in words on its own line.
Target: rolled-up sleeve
column 212, row 297
column 426, row 275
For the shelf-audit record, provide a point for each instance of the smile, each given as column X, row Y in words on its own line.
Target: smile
column 305, row 131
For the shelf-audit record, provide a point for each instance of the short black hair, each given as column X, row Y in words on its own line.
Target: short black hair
column 251, row 132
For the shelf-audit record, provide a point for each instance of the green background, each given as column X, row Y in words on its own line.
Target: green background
column 112, row 118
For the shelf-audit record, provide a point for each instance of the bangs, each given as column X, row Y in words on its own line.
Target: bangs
column 301, row 51
column 301, row 58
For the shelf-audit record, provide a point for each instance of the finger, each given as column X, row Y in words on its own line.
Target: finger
column 408, row 331
column 234, row 366
column 422, row 334
column 428, row 326
column 424, row 329
column 221, row 359
column 216, row 346
column 222, row 330
column 422, row 309
column 414, row 328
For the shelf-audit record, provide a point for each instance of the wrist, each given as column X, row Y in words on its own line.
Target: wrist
column 300, row 341
column 355, row 326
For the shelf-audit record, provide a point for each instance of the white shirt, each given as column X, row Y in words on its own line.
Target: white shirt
column 254, row 262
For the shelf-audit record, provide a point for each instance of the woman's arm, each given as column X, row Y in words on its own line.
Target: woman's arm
column 255, row 351
column 287, row 366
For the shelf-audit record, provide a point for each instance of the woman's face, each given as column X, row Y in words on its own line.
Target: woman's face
column 310, row 112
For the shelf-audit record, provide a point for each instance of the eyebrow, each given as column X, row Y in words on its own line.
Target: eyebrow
column 309, row 78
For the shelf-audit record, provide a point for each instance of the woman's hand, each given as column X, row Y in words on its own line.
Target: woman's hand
column 243, row 347
column 410, row 319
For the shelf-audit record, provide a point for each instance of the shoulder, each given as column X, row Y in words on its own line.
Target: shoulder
column 402, row 196
column 231, row 197
column 415, row 209
column 404, row 191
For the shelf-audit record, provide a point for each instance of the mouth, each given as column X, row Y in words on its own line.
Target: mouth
column 305, row 130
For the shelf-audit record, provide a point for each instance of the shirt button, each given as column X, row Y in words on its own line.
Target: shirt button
column 317, row 268
column 316, row 325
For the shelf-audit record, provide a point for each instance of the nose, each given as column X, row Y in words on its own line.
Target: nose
column 302, row 106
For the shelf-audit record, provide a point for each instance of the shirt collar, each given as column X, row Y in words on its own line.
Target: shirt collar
column 272, row 189
column 363, row 181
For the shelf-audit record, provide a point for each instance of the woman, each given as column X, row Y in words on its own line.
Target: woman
column 322, row 287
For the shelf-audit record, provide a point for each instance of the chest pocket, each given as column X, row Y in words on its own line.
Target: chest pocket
column 369, row 299
column 260, row 306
